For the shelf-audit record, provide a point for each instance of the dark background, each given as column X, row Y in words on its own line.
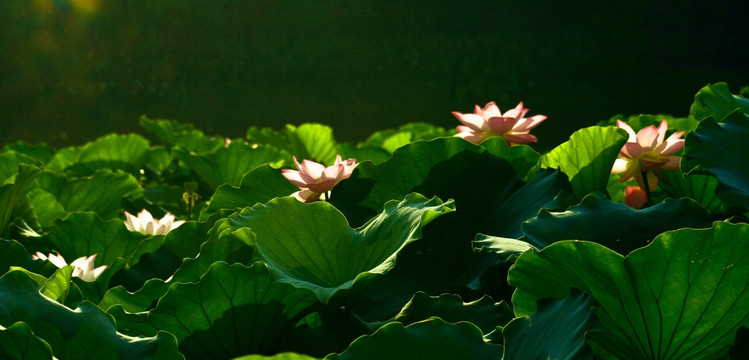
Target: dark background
column 73, row 70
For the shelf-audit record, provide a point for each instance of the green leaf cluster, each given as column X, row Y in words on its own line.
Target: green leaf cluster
column 433, row 248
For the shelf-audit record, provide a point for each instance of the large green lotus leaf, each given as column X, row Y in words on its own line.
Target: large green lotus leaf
column 446, row 167
column 19, row 342
column 312, row 246
column 278, row 139
column 721, row 149
column 162, row 258
column 485, row 313
column 85, row 234
column 372, row 185
column 171, row 133
column 45, row 207
column 186, row 240
column 229, row 247
column 83, row 333
column 683, row 296
column 142, row 300
column 555, row 331
column 445, row 260
column 63, row 158
column 389, row 140
column 392, row 139
column 314, row 142
column 521, row 157
column 227, row 165
column 15, row 254
column 12, row 194
column 159, row 159
column 41, row 151
column 8, row 168
column 114, row 152
column 430, row 339
column 258, row 186
column 101, row 193
column 281, row 356
column 233, row 310
column 587, row 158
column 613, row 224
column 717, row 101
column 700, row 188
column 506, row 248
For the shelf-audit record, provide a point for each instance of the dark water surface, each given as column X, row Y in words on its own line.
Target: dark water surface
column 73, row 70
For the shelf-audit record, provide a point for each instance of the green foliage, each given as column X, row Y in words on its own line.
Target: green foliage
column 717, row 101
column 233, row 310
column 430, row 339
column 720, row 149
column 664, row 300
column 613, row 224
column 228, row 165
column 484, row 313
column 587, row 158
column 555, row 331
column 383, row 268
column 311, row 245
column 86, row 332
column 19, row 342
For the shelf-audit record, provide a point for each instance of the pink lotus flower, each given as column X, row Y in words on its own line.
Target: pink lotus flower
column 490, row 122
column 635, row 197
column 646, row 152
column 145, row 224
column 315, row 180
column 84, row 266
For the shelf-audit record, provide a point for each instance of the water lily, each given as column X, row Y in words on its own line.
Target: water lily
column 145, row 224
column 315, row 180
column 646, row 152
column 488, row 122
column 635, row 197
column 84, row 266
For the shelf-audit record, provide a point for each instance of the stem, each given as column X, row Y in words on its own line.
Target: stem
column 648, row 201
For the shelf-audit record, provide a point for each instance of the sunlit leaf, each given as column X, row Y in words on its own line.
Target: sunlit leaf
column 227, row 165
column 587, row 158
column 114, row 152
column 683, row 296
column 312, row 246
column 260, row 185
column 717, row 101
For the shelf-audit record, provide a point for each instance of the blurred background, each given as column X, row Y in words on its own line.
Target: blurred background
column 73, row 70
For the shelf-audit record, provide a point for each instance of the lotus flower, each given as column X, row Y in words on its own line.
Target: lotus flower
column 490, row 122
column 635, row 197
column 147, row 225
column 646, row 152
column 315, row 180
column 84, row 266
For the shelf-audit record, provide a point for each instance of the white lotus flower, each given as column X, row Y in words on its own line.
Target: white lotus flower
column 145, row 224
column 84, row 266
